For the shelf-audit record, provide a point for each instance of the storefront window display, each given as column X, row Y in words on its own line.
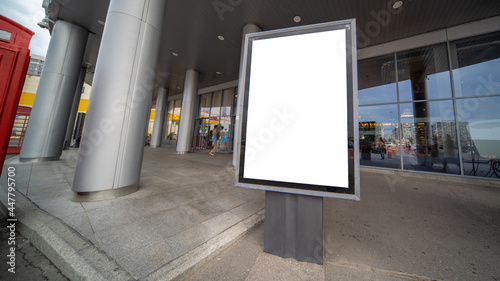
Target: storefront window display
column 440, row 121
column 379, row 136
column 429, row 141
column 216, row 108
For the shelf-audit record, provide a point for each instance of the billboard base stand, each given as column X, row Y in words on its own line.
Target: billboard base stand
column 293, row 227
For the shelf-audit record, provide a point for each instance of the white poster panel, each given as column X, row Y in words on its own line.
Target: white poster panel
column 297, row 90
column 298, row 115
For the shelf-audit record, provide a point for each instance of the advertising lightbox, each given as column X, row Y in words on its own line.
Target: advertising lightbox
column 299, row 130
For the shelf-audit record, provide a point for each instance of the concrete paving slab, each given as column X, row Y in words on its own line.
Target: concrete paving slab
column 138, row 235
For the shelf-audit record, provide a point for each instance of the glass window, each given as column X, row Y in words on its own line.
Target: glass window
column 429, row 141
column 476, row 65
column 479, row 126
column 377, row 80
column 423, row 74
column 227, row 102
column 379, row 136
column 205, row 105
column 174, row 114
column 216, row 104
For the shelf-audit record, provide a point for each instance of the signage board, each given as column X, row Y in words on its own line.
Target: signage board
column 299, row 131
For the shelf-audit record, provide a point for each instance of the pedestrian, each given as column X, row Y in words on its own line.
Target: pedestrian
column 215, row 140
column 382, row 148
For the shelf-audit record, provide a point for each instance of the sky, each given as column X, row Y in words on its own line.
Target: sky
column 28, row 13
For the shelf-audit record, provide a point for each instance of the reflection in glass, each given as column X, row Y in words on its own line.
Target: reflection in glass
column 227, row 102
column 205, row 105
column 216, row 103
column 172, row 126
column 475, row 63
column 379, row 136
column 429, row 141
column 377, row 80
column 424, row 74
column 480, row 135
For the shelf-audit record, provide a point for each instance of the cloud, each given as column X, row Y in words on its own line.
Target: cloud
column 28, row 13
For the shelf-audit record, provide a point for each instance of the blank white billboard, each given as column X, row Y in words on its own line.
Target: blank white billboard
column 298, row 111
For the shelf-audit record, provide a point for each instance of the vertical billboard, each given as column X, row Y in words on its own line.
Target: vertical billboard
column 299, row 115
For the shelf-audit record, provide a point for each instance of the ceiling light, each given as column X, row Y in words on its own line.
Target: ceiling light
column 175, row 54
column 100, row 22
column 397, row 4
column 217, row 72
column 221, row 38
column 45, row 23
column 297, row 19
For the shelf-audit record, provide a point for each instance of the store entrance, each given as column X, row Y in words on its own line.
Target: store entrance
column 201, row 138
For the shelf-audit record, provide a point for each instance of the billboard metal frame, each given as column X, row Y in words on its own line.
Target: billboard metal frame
column 309, row 186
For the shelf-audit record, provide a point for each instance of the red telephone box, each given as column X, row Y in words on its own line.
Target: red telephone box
column 19, row 129
column 14, row 62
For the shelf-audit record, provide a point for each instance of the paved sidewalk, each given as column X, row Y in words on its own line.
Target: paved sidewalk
column 406, row 227
column 185, row 212
column 183, row 222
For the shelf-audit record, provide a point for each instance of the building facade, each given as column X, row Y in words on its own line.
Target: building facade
column 427, row 79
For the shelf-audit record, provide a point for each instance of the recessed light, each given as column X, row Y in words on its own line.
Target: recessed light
column 297, row 19
column 217, row 72
column 397, row 4
column 100, row 22
column 175, row 54
column 221, row 38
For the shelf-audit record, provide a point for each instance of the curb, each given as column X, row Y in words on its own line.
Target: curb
column 75, row 256
column 79, row 259
column 185, row 265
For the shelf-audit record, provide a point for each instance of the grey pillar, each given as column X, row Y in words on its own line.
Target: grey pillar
column 51, row 110
column 188, row 109
column 74, row 109
column 294, row 226
column 111, row 150
column 248, row 28
column 161, row 103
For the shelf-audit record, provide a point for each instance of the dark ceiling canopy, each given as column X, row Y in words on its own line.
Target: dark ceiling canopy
column 192, row 28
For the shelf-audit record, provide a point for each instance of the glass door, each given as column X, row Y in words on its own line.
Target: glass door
column 201, row 133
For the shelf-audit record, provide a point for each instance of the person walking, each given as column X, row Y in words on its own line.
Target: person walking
column 382, row 148
column 215, row 140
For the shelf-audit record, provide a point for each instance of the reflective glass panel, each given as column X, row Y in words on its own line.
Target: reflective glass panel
column 429, row 141
column 379, row 136
column 227, row 102
column 175, row 115
column 479, row 124
column 205, row 105
column 476, row 65
column 216, row 104
column 377, row 80
column 423, row 74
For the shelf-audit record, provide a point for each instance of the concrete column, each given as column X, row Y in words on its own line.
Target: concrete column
column 248, row 28
column 161, row 103
column 52, row 107
column 112, row 145
column 188, row 108
column 74, row 109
